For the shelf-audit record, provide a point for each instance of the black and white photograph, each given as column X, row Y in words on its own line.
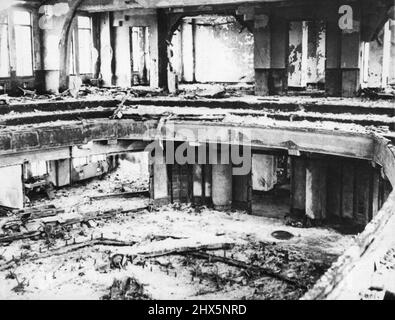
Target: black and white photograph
column 197, row 150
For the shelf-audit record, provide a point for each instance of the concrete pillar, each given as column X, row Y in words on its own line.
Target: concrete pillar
column 316, row 191
column 334, row 189
column 106, row 50
column 163, row 59
column 197, row 184
column 181, row 183
column 27, row 171
column 298, row 184
column 348, row 182
column 222, row 186
column 387, row 189
column 333, row 48
column 386, row 76
column 350, row 60
column 264, row 172
column 262, row 55
column 159, row 181
column 375, row 192
column 59, row 172
column 362, row 193
column 278, row 80
column 207, row 173
column 11, row 187
column 242, row 192
column 52, row 29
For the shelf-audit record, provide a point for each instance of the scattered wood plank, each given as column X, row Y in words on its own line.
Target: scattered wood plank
column 5, row 211
column 100, row 216
column 244, row 265
column 33, row 209
column 144, row 193
column 30, row 215
column 19, row 236
column 161, row 238
column 69, row 222
column 68, row 249
column 186, row 250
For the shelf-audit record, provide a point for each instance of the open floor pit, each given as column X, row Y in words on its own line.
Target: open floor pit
column 135, row 251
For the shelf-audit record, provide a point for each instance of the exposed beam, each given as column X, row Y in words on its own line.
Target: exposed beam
column 119, row 5
column 41, row 138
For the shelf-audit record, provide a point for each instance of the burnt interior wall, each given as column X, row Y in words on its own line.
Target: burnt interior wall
column 269, row 23
column 213, row 49
column 379, row 58
column 342, row 47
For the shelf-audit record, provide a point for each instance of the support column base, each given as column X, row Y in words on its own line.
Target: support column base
column 262, row 82
column 223, row 208
column 333, row 82
column 161, row 202
column 278, row 81
column 350, row 82
column 270, row 82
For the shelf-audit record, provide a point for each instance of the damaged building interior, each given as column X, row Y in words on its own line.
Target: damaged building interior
column 303, row 91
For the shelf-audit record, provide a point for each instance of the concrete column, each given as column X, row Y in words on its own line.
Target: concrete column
column 197, row 184
column 387, row 189
column 334, row 189
column 222, row 186
column 241, row 192
column 159, row 181
column 316, row 191
column 375, row 192
column 11, row 187
column 333, row 46
column 163, row 59
column 27, row 171
column 181, row 183
column 262, row 55
column 207, row 173
column 106, row 50
column 298, row 184
column 278, row 80
column 362, row 193
column 348, row 182
column 52, row 29
column 264, row 172
column 351, row 55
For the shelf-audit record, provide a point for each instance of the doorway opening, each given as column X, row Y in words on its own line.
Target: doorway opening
column 140, row 56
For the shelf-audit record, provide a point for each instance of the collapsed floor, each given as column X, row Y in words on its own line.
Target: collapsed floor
column 103, row 248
